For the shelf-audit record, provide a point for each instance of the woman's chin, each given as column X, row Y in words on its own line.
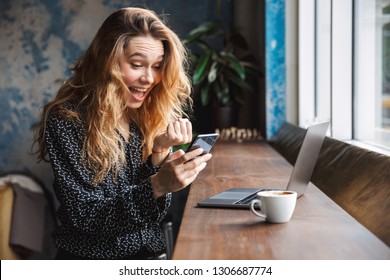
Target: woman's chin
column 133, row 105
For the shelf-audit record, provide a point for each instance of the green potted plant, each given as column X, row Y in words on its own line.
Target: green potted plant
column 221, row 69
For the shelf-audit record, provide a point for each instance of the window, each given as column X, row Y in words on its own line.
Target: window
column 344, row 68
column 372, row 72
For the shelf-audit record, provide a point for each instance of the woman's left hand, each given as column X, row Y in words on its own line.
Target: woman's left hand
column 178, row 171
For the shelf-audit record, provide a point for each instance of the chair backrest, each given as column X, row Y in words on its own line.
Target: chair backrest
column 6, row 202
column 32, row 216
column 355, row 178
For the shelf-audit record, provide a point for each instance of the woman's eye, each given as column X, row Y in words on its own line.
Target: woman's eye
column 135, row 65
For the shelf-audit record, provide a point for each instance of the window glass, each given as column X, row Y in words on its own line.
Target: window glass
column 386, row 72
column 372, row 72
column 323, row 59
column 348, row 50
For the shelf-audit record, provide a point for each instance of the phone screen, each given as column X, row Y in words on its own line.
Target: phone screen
column 204, row 141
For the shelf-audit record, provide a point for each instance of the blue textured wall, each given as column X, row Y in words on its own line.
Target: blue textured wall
column 275, row 66
column 38, row 41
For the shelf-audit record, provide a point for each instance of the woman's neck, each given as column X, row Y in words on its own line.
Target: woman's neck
column 124, row 128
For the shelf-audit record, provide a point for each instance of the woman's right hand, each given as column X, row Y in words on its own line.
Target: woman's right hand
column 178, row 132
column 178, row 171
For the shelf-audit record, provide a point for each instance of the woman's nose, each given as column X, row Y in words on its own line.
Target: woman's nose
column 147, row 76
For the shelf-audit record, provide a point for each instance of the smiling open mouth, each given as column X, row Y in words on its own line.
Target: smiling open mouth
column 138, row 92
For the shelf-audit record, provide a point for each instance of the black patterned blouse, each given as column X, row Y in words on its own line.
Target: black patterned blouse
column 114, row 219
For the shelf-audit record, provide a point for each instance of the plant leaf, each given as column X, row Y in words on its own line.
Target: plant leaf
column 235, row 64
column 204, row 95
column 223, row 92
column 203, row 30
column 217, row 90
column 237, row 81
column 213, row 72
column 227, row 98
column 200, row 70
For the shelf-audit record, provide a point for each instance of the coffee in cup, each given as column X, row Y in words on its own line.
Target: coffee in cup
column 276, row 206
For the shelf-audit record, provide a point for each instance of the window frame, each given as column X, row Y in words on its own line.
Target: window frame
column 341, row 107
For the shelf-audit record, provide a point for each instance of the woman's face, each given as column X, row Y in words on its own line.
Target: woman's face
column 141, row 66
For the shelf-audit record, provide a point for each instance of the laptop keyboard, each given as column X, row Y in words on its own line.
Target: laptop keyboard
column 246, row 200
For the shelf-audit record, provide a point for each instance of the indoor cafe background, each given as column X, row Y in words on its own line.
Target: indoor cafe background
column 39, row 40
column 320, row 60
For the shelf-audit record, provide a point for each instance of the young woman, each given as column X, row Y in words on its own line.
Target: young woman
column 108, row 135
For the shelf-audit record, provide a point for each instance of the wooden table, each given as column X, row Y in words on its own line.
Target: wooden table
column 319, row 228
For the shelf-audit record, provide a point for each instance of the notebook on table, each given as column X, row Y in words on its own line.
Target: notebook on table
column 299, row 178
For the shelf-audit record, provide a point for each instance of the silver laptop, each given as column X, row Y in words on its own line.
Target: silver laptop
column 299, row 179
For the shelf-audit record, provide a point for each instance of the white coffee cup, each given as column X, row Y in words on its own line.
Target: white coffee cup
column 276, row 206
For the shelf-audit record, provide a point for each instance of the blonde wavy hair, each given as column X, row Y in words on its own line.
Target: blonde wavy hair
column 97, row 87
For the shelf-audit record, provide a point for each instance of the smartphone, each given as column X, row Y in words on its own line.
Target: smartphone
column 204, row 141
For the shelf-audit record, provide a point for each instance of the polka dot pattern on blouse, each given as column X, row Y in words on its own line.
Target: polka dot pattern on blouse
column 116, row 218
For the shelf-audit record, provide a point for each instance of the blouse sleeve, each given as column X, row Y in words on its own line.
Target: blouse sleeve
column 115, row 204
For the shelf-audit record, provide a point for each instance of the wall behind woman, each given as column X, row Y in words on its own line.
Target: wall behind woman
column 39, row 39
